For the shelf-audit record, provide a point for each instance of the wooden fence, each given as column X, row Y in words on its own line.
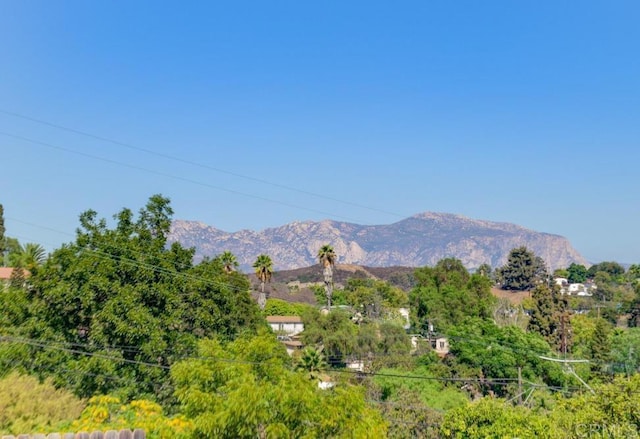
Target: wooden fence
column 111, row 434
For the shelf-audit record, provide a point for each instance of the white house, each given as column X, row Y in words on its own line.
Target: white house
column 441, row 346
column 404, row 312
column 286, row 325
column 355, row 365
column 561, row 281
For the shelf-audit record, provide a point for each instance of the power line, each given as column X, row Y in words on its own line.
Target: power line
column 105, row 255
column 45, row 344
column 175, row 177
column 162, row 270
column 192, row 163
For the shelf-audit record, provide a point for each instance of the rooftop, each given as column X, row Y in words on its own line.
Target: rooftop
column 284, row 319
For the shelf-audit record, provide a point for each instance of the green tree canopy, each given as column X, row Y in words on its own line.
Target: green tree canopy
column 29, row 256
column 633, row 273
column 612, row 268
column 447, row 294
column 26, row 405
column 550, row 317
column 119, row 302
column 523, row 270
column 228, row 260
column 374, row 298
column 247, row 389
column 497, row 353
column 2, row 230
column 577, row 273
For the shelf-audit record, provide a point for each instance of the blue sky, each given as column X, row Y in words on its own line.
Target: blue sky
column 255, row 114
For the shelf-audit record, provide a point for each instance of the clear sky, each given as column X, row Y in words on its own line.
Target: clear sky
column 256, row 114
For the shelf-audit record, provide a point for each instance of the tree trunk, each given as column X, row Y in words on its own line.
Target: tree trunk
column 262, row 298
column 328, row 283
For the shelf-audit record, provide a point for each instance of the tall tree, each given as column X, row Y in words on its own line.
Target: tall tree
column 549, row 317
column 28, row 256
column 327, row 258
column 485, row 270
column 577, row 273
column 2, row 230
column 263, row 267
column 229, row 261
column 633, row 273
column 446, row 294
column 613, row 268
column 600, row 347
column 523, row 271
column 130, row 299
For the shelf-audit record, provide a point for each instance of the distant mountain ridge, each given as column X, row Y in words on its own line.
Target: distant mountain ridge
column 419, row 240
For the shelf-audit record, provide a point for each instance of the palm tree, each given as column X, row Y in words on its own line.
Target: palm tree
column 229, row 261
column 327, row 258
column 263, row 267
column 312, row 361
column 28, row 256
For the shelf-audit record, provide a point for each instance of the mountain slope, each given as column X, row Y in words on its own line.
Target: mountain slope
column 420, row 240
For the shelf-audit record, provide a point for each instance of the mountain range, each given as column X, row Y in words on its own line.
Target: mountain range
column 419, row 240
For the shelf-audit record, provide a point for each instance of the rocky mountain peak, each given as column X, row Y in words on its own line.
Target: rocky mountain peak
column 422, row 239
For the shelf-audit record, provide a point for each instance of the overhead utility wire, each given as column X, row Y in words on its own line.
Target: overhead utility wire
column 479, row 341
column 192, row 163
column 175, row 177
column 47, row 345
column 487, row 380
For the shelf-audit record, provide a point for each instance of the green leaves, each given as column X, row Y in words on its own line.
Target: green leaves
column 523, row 271
column 123, row 294
column 246, row 388
column 447, row 294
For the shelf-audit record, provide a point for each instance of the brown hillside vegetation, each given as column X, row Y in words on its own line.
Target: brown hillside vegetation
column 295, row 285
column 515, row 297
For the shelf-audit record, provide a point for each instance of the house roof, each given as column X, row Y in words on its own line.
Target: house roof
column 284, row 319
column 5, row 273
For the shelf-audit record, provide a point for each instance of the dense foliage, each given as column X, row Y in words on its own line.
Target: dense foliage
column 247, row 389
column 120, row 329
column 117, row 307
column 27, row 404
column 447, row 294
column 523, row 270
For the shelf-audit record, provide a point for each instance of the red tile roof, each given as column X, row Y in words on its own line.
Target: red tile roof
column 5, row 273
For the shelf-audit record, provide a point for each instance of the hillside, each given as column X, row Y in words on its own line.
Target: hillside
column 295, row 285
column 417, row 241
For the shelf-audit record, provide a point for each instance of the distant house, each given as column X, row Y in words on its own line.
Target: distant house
column 404, row 312
column 355, row 365
column 325, row 382
column 291, row 345
column 578, row 289
column 286, row 325
column 440, row 345
column 561, row 281
column 6, row 273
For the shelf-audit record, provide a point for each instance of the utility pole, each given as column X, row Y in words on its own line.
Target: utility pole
column 567, row 364
column 563, row 334
column 519, row 385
